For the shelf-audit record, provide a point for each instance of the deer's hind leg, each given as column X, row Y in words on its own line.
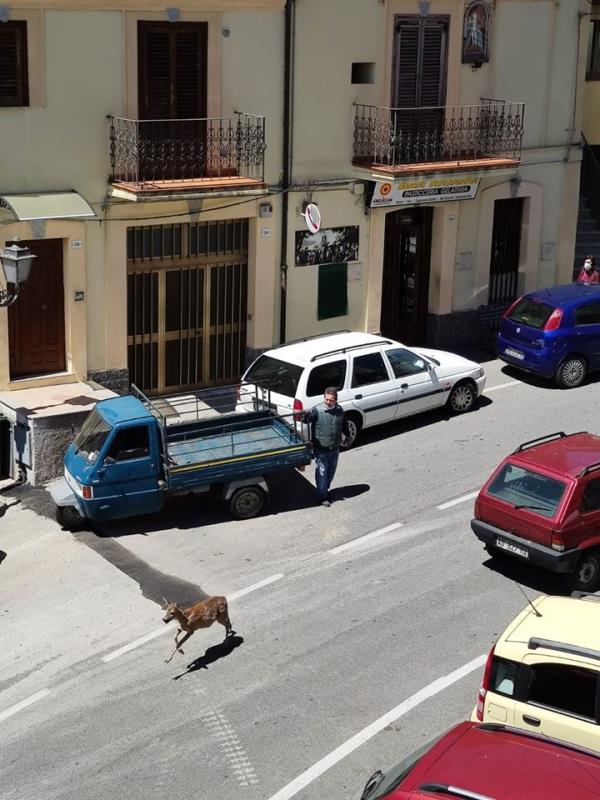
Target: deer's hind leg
column 223, row 618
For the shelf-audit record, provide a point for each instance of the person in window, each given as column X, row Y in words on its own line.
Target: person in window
column 589, row 273
column 329, row 431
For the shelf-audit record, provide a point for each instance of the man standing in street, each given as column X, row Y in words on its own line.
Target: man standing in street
column 329, row 430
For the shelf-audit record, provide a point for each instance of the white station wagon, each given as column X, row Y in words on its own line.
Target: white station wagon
column 378, row 379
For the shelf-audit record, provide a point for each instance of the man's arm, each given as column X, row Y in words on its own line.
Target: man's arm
column 310, row 416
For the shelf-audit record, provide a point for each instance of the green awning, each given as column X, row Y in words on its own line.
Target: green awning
column 46, row 205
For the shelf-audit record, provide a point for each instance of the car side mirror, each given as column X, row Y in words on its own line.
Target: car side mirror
column 108, row 461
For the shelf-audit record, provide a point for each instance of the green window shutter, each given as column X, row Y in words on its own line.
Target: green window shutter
column 333, row 291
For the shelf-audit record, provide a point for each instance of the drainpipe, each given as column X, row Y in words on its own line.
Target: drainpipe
column 288, row 83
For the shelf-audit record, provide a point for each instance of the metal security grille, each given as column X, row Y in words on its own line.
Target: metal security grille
column 187, row 304
column 504, row 258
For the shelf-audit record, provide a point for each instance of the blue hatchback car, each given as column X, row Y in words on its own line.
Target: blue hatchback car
column 554, row 333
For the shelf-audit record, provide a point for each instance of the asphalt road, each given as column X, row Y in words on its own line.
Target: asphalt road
column 360, row 629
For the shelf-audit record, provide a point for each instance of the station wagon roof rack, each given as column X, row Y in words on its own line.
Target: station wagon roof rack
column 561, row 647
column 308, row 338
column 590, row 468
column 351, row 347
column 540, row 439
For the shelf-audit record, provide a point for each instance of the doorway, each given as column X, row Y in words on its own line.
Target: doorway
column 503, row 285
column 36, row 322
column 406, row 265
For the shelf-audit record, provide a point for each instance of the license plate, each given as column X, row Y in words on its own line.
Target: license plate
column 512, row 548
column 514, row 353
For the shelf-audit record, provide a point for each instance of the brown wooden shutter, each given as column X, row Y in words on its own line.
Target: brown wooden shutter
column 419, row 66
column 191, row 72
column 13, row 64
column 433, row 64
column 406, row 61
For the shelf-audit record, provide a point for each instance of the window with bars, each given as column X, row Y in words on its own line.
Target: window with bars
column 14, row 85
column 593, row 65
column 171, row 242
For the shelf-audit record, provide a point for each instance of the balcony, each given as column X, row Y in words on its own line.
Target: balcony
column 396, row 141
column 151, row 157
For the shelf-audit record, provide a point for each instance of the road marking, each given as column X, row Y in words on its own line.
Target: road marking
column 368, row 536
column 160, row 631
column 312, row 773
column 457, row 500
column 23, row 704
column 502, row 386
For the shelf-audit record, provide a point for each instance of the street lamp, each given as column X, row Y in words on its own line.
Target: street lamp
column 16, row 264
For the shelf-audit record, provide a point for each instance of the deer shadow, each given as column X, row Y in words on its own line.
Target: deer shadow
column 212, row 654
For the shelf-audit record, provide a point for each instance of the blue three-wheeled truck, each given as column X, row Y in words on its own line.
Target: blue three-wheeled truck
column 132, row 453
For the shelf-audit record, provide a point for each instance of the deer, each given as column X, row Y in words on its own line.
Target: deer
column 201, row 615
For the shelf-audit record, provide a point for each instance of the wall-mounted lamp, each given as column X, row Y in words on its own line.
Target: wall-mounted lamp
column 4, row 13
column 424, row 7
column 16, row 264
column 172, row 14
column 226, row 33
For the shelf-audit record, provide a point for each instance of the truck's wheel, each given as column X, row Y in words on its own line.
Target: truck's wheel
column 69, row 517
column 586, row 576
column 246, row 502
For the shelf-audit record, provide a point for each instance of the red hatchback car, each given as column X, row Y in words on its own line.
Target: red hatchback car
column 542, row 506
column 491, row 762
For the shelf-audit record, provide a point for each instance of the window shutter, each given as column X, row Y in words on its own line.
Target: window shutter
column 13, row 64
column 433, row 57
column 406, row 58
column 419, row 62
column 191, row 74
column 155, row 74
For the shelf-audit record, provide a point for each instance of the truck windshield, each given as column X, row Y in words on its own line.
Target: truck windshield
column 526, row 489
column 279, row 376
column 91, row 437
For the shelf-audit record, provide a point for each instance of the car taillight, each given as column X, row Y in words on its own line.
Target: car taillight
column 554, row 320
column 298, row 409
column 510, row 308
column 477, row 508
column 238, row 392
column 485, row 684
column 87, row 492
column 556, row 541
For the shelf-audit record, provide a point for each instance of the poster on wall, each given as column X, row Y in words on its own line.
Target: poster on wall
column 327, row 246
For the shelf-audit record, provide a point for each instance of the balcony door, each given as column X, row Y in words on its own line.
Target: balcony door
column 172, row 87
column 419, row 64
column 406, row 263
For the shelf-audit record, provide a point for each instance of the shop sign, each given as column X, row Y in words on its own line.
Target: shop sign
column 426, row 190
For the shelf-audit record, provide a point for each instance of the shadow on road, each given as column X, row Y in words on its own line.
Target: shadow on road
column 537, row 579
column 2, row 556
column 5, row 506
column 212, row 654
column 535, row 380
column 349, row 491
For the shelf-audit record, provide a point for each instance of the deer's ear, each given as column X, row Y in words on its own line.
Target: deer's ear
column 166, row 602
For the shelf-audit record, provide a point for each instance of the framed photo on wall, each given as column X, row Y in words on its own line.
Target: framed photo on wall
column 327, row 246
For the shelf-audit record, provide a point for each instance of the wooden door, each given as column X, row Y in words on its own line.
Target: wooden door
column 172, row 78
column 419, row 87
column 406, row 264
column 36, row 321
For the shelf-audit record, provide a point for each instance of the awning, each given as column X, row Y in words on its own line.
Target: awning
column 46, row 205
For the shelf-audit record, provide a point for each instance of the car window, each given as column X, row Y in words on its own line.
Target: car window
column 368, row 369
column 527, row 489
column 531, row 312
column 405, row 363
column 588, row 314
column 564, row 688
column 130, row 443
column 279, row 376
column 333, row 374
column 504, row 676
column 591, row 496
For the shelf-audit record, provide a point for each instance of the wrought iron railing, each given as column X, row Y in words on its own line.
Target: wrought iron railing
column 146, row 151
column 393, row 137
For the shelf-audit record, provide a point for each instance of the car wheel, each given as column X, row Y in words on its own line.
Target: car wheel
column 246, row 502
column 462, row 397
column 571, row 372
column 586, row 577
column 69, row 517
column 354, row 425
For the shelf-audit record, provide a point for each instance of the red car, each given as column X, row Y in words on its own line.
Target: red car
column 491, row 762
column 542, row 506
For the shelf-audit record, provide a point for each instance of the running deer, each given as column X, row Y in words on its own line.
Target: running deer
column 202, row 615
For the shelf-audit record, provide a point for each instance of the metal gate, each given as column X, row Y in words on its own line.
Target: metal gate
column 187, row 304
column 503, row 285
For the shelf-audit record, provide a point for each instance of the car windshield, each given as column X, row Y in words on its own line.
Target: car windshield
column 91, row 437
column 280, row 376
column 523, row 488
column 532, row 313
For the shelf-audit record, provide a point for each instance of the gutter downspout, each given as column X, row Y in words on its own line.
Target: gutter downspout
column 288, row 83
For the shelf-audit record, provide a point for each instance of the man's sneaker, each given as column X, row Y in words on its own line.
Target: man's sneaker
column 326, row 502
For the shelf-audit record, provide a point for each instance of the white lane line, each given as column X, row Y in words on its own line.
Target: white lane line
column 160, row 631
column 23, row 704
column 312, row 773
column 501, row 386
column 457, row 500
column 368, row 536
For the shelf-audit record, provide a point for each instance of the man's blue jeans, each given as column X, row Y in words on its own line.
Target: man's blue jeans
column 325, row 467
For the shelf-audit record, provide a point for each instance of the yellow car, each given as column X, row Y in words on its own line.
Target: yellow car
column 543, row 673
